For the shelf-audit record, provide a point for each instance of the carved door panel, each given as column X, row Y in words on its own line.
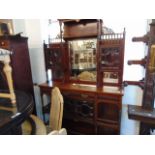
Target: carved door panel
column 55, row 56
column 110, row 58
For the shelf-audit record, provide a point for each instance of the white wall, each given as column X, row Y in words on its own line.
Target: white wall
column 37, row 31
column 32, row 28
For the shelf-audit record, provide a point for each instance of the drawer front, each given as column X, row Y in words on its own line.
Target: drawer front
column 79, row 95
column 107, row 129
column 110, row 98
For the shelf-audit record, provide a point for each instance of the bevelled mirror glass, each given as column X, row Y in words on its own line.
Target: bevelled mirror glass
column 83, row 60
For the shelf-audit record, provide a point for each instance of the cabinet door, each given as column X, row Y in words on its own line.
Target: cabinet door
column 111, row 59
column 55, row 59
column 108, row 114
column 78, row 109
column 79, row 114
column 109, row 108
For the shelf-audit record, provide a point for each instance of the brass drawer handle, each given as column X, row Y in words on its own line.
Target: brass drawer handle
column 2, row 43
column 51, row 63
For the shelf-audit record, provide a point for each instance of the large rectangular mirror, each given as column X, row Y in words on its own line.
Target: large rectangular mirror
column 83, row 59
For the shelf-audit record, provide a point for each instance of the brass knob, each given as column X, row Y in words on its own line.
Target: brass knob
column 2, row 43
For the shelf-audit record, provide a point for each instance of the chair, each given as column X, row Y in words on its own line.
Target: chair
column 62, row 131
column 56, row 111
column 55, row 118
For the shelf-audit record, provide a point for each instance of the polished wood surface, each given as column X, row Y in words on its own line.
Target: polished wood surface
column 20, row 62
column 85, row 28
column 82, row 88
column 141, row 62
column 88, row 109
column 11, row 117
column 140, row 114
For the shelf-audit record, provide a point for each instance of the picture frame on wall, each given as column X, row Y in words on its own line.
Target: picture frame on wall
column 6, row 27
column 4, row 30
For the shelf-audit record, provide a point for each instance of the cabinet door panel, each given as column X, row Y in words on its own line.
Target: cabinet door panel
column 78, row 109
column 107, row 111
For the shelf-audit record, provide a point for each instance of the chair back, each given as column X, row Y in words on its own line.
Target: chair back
column 62, row 131
column 56, row 111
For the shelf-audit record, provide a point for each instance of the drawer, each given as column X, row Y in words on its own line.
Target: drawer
column 78, row 95
column 107, row 129
column 110, row 99
column 4, row 44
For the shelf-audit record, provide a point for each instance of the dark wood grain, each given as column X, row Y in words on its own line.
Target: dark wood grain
column 141, row 114
column 20, row 63
column 90, row 107
column 12, row 117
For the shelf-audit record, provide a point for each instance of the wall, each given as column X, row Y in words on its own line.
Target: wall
column 37, row 31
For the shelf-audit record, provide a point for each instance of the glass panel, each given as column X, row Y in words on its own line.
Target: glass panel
column 110, row 77
column 83, row 59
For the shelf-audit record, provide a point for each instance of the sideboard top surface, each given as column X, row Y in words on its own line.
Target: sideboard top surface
column 83, row 88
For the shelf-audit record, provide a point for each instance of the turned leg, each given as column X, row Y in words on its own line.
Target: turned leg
column 8, row 72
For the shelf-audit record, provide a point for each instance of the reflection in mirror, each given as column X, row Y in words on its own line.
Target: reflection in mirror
column 83, row 59
column 110, row 77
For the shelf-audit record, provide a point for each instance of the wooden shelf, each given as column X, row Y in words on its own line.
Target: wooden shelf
column 140, row 114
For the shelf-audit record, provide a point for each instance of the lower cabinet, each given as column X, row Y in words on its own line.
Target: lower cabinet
column 91, row 114
column 77, row 127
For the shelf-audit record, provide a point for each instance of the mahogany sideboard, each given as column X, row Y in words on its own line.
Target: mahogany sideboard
column 88, row 109
column 87, row 65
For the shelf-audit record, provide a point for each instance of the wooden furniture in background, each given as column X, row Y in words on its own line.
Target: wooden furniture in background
column 11, row 118
column 5, row 59
column 9, row 25
column 20, row 63
column 90, row 107
column 145, row 113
